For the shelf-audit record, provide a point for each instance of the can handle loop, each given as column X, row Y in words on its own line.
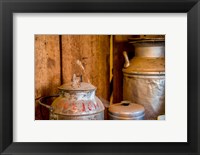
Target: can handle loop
column 127, row 63
column 45, row 105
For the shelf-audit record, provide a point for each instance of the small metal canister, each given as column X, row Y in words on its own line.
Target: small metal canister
column 126, row 111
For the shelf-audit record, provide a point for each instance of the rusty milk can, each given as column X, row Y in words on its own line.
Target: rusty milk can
column 76, row 101
column 144, row 75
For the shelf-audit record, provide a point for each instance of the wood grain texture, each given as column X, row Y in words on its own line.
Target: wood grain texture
column 55, row 63
column 47, row 64
column 47, row 67
column 93, row 52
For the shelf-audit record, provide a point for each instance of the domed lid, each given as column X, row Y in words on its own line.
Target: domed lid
column 83, row 86
column 126, row 109
column 77, row 85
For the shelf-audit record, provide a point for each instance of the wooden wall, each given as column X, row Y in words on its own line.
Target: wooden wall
column 47, row 65
column 93, row 52
column 120, row 44
column 55, row 63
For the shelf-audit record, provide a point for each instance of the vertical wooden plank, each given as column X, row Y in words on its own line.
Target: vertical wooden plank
column 47, row 65
column 120, row 44
column 95, row 57
column 70, row 54
column 93, row 52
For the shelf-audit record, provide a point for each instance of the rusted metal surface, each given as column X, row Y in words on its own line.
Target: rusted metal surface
column 77, row 101
column 96, row 116
column 139, row 65
column 144, row 78
column 82, row 108
column 148, row 90
column 126, row 111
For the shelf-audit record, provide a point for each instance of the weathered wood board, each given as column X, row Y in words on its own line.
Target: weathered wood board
column 47, row 65
column 93, row 52
column 56, row 57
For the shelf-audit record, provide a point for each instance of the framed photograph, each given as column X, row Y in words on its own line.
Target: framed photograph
column 99, row 77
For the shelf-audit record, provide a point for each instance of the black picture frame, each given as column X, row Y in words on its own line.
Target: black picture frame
column 8, row 7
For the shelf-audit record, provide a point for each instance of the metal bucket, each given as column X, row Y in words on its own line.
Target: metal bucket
column 126, row 111
column 144, row 76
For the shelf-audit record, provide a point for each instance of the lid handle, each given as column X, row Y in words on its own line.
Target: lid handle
column 125, row 103
column 76, row 81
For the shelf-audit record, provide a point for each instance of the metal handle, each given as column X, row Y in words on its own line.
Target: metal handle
column 125, row 103
column 45, row 105
column 127, row 63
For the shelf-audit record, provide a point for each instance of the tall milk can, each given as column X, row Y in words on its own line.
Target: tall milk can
column 144, row 75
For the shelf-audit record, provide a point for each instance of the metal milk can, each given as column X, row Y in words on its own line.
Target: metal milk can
column 144, row 76
column 126, row 111
column 76, row 101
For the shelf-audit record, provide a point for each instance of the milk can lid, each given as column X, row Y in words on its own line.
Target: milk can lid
column 126, row 109
column 82, row 87
column 77, row 85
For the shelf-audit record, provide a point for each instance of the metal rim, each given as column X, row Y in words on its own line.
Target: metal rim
column 79, row 114
column 143, row 73
column 126, row 118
